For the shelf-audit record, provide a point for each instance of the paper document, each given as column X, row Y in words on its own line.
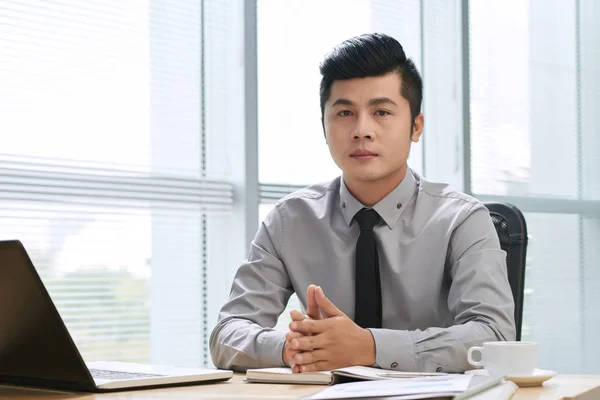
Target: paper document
column 444, row 385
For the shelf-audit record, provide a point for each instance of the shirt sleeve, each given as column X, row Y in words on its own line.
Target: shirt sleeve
column 480, row 299
column 244, row 336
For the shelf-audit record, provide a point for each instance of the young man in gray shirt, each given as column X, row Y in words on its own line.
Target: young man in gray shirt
column 392, row 270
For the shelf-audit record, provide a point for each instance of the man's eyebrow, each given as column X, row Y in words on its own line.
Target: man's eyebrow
column 373, row 102
column 342, row 102
column 381, row 100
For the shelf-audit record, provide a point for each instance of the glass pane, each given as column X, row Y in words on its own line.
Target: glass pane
column 589, row 31
column 292, row 147
column 116, row 87
column 560, row 310
column 590, row 294
column 126, row 281
column 524, row 98
column 443, row 98
column 110, row 82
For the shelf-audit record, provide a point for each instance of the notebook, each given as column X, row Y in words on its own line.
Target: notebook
column 285, row 375
column 36, row 348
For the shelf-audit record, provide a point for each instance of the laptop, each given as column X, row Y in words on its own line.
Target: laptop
column 36, row 348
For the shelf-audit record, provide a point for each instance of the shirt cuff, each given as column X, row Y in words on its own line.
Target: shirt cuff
column 270, row 346
column 394, row 349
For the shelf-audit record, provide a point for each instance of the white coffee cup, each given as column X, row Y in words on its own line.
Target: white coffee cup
column 506, row 358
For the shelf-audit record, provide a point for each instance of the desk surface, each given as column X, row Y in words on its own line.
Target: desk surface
column 556, row 388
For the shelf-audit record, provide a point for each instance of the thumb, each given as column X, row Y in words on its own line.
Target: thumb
column 312, row 308
column 328, row 308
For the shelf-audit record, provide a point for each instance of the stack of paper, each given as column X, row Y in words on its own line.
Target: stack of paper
column 445, row 387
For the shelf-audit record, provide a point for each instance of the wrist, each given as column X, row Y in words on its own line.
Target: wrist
column 370, row 349
column 284, row 356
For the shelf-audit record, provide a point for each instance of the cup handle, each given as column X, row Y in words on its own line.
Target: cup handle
column 470, row 356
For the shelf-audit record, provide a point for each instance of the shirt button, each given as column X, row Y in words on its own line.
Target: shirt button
column 394, row 365
column 344, row 205
column 438, row 369
column 399, row 205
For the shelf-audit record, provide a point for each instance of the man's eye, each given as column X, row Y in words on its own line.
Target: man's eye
column 345, row 113
column 382, row 113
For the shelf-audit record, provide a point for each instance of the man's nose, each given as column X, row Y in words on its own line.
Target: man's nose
column 363, row 130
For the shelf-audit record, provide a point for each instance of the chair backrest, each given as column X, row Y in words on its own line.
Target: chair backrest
column 512, row 232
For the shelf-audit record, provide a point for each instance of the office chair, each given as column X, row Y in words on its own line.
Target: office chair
column 512, row 232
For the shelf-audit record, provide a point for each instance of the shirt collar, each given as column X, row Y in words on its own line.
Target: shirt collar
column 390, row 208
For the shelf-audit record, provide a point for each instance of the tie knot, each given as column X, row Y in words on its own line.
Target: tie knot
column 366, row 218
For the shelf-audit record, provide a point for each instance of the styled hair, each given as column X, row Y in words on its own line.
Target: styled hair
column 371, row 54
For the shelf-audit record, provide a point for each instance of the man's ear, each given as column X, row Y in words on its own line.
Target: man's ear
column 417, row 128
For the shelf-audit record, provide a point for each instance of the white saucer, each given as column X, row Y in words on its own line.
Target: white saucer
column 538, row 377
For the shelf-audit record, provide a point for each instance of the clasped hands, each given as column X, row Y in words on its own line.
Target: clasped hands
column 325, row 338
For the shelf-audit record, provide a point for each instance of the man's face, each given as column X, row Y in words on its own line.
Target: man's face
column 368, row 128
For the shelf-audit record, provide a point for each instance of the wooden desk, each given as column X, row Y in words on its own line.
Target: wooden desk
column 557, row 388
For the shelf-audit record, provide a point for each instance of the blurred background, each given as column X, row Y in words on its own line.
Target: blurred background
column 142, row 141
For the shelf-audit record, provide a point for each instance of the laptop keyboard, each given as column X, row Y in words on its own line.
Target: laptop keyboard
column 118, row 375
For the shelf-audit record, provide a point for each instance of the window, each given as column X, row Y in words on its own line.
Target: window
column 105, row 175
column 534, row 102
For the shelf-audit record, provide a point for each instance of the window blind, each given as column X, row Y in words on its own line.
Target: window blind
column 92, row 234
column 103, row 169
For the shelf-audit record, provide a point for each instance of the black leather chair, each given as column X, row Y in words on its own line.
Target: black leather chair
column 512, row 232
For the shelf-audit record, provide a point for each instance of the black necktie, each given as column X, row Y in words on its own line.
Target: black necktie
column 367, row 309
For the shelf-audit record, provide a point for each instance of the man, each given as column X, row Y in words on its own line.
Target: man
column 394, row 271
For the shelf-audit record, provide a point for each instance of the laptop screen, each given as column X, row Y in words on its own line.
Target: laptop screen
column 35, row 346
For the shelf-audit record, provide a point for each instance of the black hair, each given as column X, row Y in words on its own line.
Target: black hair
column 371, row 54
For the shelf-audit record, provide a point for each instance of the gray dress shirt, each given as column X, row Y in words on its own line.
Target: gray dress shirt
column 443, row 276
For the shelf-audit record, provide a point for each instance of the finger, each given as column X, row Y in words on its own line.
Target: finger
column 290, row 354
column 328, row 308
column 308, row 326
column 318, row 366
column 296, row 369
column 289, row 336
column 310, row 357
column 312, row 309
column 297, row 315
column 308, row 343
